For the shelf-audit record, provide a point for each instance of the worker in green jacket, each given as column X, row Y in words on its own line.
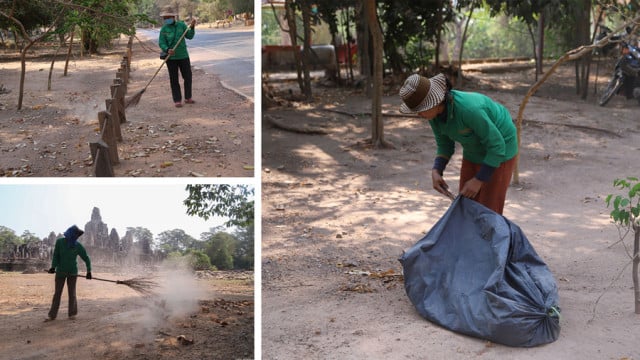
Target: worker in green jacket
column 482, row 126
column 65, row 266
column 170, row 34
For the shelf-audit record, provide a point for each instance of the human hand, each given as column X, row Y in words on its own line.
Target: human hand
column 193, row 23
column 439, row 184
column 52, row 271
column 170, row 52
column 89, row 275
column 471, row 188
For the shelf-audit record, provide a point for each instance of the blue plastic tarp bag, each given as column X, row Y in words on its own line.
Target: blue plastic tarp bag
column 477, row 274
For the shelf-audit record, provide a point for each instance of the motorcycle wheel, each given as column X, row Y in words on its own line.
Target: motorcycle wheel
column 612, row 88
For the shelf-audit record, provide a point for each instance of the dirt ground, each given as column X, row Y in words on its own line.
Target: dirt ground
column 49, row 137
column 336, row 216
column 210, row 316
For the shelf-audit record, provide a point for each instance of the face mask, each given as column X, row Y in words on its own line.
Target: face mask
column 168, row 21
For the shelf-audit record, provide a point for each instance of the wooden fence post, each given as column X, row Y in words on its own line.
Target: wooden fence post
column 112, row 108
column 129, row 49
column 108, row 135
column 117, row 94
column 124, row 66
column 100, row 155
column 121, row 77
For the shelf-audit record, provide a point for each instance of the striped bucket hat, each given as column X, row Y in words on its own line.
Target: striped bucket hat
column 419, row 93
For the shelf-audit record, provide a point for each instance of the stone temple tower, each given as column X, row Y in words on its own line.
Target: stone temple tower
column 96, row 233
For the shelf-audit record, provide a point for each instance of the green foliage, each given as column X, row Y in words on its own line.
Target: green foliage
column 242, row 6
column 497, row 36
column 243, row 257
column 498, row 28
column 143, row 239
column 28, row 237
column 8, row 239
column 220, row 247
column 224, row 250
column 417, row 54
column 410, row 26
column 175, row 240
column 175, row 260
column 192, row 259
column 270, row 28
column 99, row 20
column 626, row 207
column 234, row 202
column 198, row 260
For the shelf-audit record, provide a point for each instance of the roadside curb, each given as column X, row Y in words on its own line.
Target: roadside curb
column 228, row 87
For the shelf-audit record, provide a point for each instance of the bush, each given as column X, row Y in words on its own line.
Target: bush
column 198, row 260
column 193, row 259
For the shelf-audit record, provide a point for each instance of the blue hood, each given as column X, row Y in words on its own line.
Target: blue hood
column 72, row 234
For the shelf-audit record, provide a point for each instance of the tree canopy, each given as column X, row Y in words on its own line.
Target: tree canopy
column 234, row 202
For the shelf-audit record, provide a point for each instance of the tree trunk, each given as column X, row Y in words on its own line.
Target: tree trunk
column 377, row 128
column 438, row 39
column 347, row 40
column 582, row 37
column 23, row 70
column 462, row 41
column 290, row 16
column 365, row 58
column 66, row 62
column 53, row 61
column 334, row 42
column 306, row 51
column 540, row 45
column 568, row 56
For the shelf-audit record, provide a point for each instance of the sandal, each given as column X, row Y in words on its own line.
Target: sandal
column 189, row 101
column 179, row 104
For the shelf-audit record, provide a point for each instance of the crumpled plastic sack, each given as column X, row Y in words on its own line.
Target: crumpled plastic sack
column 476, row 273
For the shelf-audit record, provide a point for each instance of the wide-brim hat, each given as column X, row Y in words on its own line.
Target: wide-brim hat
column 419, row 93
column 167, row 11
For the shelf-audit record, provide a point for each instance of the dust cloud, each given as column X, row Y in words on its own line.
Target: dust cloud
column 85, row 112
column 176, row 297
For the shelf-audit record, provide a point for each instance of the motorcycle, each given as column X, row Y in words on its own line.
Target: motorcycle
column 626, row 75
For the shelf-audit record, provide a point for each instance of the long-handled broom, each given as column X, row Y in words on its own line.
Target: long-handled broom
column 135, row 99
column 142, row 284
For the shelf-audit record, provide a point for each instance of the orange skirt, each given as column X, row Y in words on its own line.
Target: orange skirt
column 494, row 192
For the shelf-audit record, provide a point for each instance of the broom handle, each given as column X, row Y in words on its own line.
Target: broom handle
column 167, row 58
column 95, row 278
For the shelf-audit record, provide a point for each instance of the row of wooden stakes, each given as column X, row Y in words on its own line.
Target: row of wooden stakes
column 104, row 151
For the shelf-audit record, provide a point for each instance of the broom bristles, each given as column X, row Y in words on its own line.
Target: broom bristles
column 144, row 285
column 134, row 100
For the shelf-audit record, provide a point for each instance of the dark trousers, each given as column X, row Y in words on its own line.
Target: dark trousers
column 184, row 66
column 71, row 289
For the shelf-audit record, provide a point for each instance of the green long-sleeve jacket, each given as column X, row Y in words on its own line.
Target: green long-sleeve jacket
column 169, row 36
column 482, row 126
column 64, row 258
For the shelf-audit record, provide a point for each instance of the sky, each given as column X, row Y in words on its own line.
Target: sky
column 42, row 208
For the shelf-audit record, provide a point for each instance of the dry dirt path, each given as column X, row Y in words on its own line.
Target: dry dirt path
column 114, row 322
column 333, row 210
column 49, row 137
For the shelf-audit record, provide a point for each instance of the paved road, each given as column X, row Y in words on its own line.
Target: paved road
column 227, row 53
